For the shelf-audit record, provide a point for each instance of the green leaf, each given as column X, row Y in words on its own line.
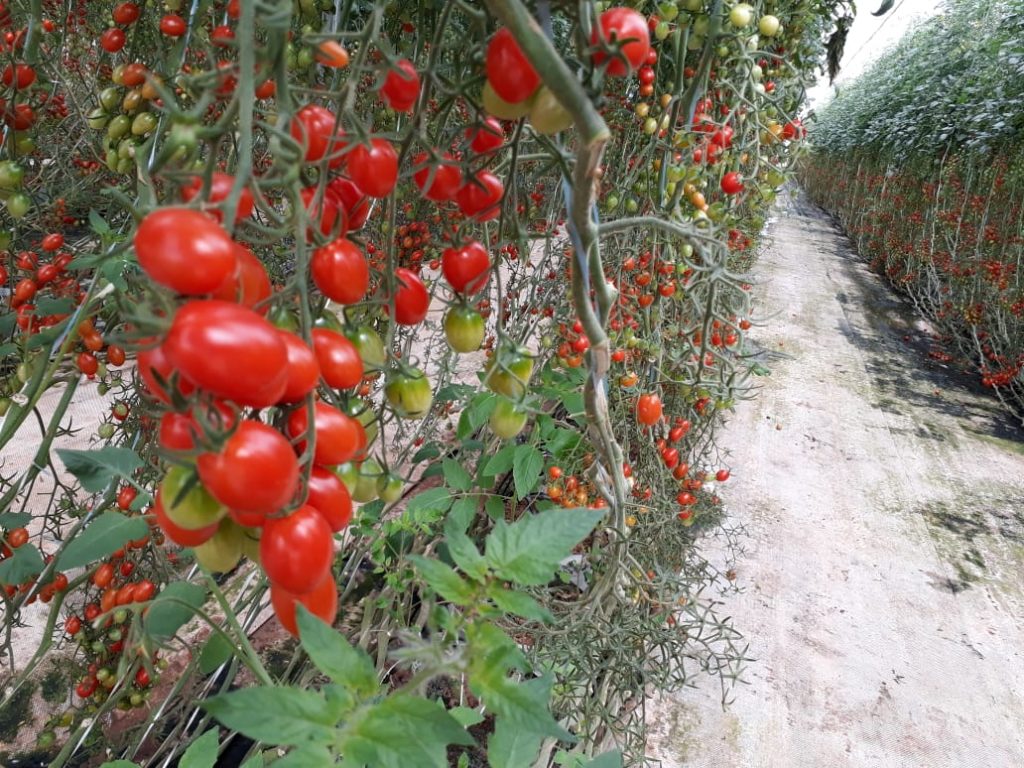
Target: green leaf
column 98, row 223
column 512, row 747
column 443, row 580
column 275, row 715
column 10, row 520
column 495, row 507
column 462, row 512
column 611, row 759
column 464, row 552
column 96, row 469
column 256, row 761
column 103, row 536
column 428, row 451
column 202, row 753
column 305, row 757
column 476, row 414
column 563, row 442
column 24, row 564
column 216, row 651
column 456, row 476
column 520, row 604
column 529, row 550
column 501, row 461
column 335, row 656
column 401, row 732
column 466, row 716
column 172, row 608
column 429, row 506
column 526, row 468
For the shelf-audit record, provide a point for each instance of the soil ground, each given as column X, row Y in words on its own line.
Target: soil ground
column 882, row 495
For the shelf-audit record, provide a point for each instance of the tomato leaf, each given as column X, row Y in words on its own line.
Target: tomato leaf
column 335, row 656
column 495, row 507
column 462, row 512
column 10, row 520
column 305, row 757
column 520, row 604
column 429, row 506
column 443, row 580
column 276, row 715
column 96, row 469
column 529, row 550
column 512, row 747
column 466, row 716
column 103, row 536
column 425, row 727
column 456, row 476
column 464, row 552
column 527, row 464
column 172, row 608
column 500, row 462
column 24, row 564
column 202, row 753
column 216, row 651
column 611, row 759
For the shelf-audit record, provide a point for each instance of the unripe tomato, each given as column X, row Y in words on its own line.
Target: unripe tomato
column 509, row 374
column 187, row 503
column 222, row 551
column 769, row 25
column 464, row 329
column 409, row 393
column 507, row 419
column 547, row 115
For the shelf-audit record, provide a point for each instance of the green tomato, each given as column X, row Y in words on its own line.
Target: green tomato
column 363, row 412
column 769, row 25
column 366, row 487
column 118, row 127
column 662, row 30
column 510, row 375
column 11, row 174
column 110, row 98
column 223, row 551
column 18, row 205
column 611, row 202
column 125, row 165
column 369, row 346
column 694, row 5
column 126, row 149
column 701, row 26
column 464, row 329
column 143, row 124
column 389, row 488
column 329, row 320
column 741, row 15
column 96, row 119
column 196, row 508
column 5, row 243
column 409, row 393
column 105, row 431
column 547, row 115
column 503, row 110
column 632, row 206
column 348, row 473
column 507, row 419
column 304, row 59
column 668, row 11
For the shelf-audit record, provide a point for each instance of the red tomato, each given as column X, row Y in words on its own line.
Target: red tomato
column 73, row 625
column 87, row 363
column 296, row 551
column 248, row 284
column 480, row 197
column 486, row 137
column 125, row 497
column 314, row 128
column 339, row 269
column 340, row 364
column 220, row 189
column 134, row 74
column 103, row 576
column 339, row 437
column 20, row 118
column 115, row 355
column 173, row 25
column 303, row 369
column 626, row 30
column 222, row 36
column 266, row 89
column 256, row 470
column 401, row 87
column 374, row 169
column 143, row 591
column 155, row 369
column 20, row 75
column 732, row 183
column 125, row 13
column 509, row 72
column 322, row 602
column 648, row 409
column 437, row 182
column 176, row 432
column 53, row 242
column 352, row 199
column 329, row 496
column 184, row 250
column 328, row 211
column 228, row 350
column 411, row 300
column 467, row 268
column 112, row 40
column 183, row 537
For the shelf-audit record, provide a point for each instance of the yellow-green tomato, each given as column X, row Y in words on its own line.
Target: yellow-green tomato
column 187, row 503
column 509, row 373
column 741, row 15
column 18, row 205
column 769, row 25
column 143, row 124
column 366, row 485
column 389, row 488
column 11, row 174
column 507, row 419
column 409, row 393
column 348, row 473
column 223, row 550
column 96, row 119
column 369, row 346
column 110, row 98
column 547, row 115
column 361, row 410
column 464, row 329
column 118, row 127
column 503, row 110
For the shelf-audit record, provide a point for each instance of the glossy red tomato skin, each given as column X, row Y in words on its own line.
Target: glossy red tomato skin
column 249, row 284
column 184, row 250
column 353, row 200
column 176, row 432
column 487, row 137
column 509, row 72
column 648, row 409
column 467, row 268
column 112, row 40
column 374, row 168
column 341, row 272
column 329, row 496
column 438, row 182
column 220, row 189
column 183, row 537
column 401, row 87
column 327, row 211
column 480, row 197
column 340, row 364
column 618, row 24
column 173, row 25
column 125, row 13
column 313, row 127
column 303, row 369
column 296, row 551
column 229, row 351
column 339, row 437
column 20, row 76
column 732, row 183
column 154, row 362
column 322, row 602
column 411, row 299
column 255, row 471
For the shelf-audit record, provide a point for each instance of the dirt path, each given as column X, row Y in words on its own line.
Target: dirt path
column 883, row 497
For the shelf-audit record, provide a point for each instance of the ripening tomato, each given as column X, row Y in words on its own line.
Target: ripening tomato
column 322, row 602
column 228, row 350
column 329, row 496
column 331, row 53
column 187, row 503
column 467, row 268
column 303, row 368
column 313, row 127
column 341, row 272
column 401, row 87
column 507, row 419
column 732, row 183
column 125, row 13
column 339, row 437
column 648, row 409
column 509, row 72
column 296, row 551
column 411, row 299
column 256, row 470
column 220, row 190
column 626, row 30
column 409, row 393
column 341, row 367
column 486, row 137
column 439, row 182
column 134, row 74
column 374, row 168
column 112, row 40
column 464, row 329
column 173, row 25
column 248, row 284
column 184, row 250
column 480, row 197
column 155, row 368
column 352, row 199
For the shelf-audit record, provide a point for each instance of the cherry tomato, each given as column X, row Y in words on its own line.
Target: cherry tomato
column 648, row 409
column 467, row 268
column 509, row 72
column 183, row 537
column 125, row 497
column 156, row 369
column 53, row 242
column 296, row 551
column 73, row 625
column 464, row 329
column 439, row 182
column 184, row 250
column 411, row 299
column 248, row 284
column 125, row 13
column 480, row 197
column 340, row 364
column 314, row 128
column 87, row 363
column 112, row 40
column 486, row 137
column 339, row 437
column 328, row 211
column 220, row 189
column 352, row 199
column 374, row 168
column 115, row 355
column 329, row 496
column 322, row 602
column 627, row 30
column 339, row 269
column 303, row 368
column 173, row 25
column 20, row 76
column 401, row 87
column 409, row 393
column 732, row 183
column 103, row 576
column 144, row 591
column 17, row 537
